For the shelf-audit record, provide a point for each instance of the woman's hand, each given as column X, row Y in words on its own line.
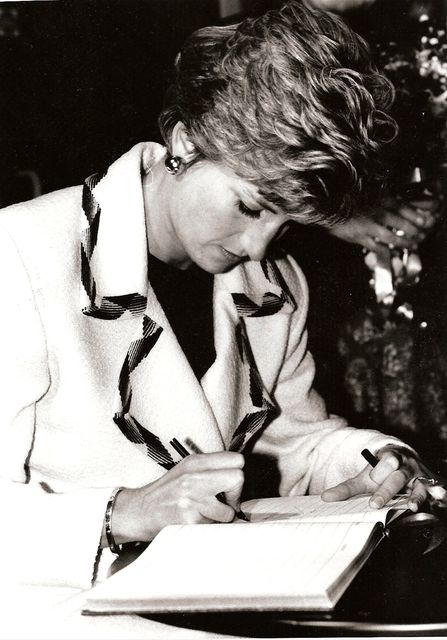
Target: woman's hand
column 395, row 223
column 394, row 471
column 186, row 494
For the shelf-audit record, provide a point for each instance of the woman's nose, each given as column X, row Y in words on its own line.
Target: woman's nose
column 256, row 239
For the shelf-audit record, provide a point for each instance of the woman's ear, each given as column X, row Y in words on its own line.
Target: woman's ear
column 181, row 145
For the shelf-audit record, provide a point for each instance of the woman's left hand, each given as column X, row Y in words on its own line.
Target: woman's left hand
column 394, row 471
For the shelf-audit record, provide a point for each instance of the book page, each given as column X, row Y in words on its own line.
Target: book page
column 313, row 509
column 299, row 566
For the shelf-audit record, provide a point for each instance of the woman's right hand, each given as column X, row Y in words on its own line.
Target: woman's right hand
column 186, row 494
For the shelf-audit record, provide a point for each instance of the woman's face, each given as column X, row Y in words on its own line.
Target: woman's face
column 216, row 219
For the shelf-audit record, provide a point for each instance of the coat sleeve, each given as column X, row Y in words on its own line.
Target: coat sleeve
column 312, row 450
column 47, row 538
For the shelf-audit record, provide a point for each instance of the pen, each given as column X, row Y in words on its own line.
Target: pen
column 370, row 457
column 182, row 451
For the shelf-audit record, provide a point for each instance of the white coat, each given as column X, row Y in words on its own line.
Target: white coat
column 61, row 453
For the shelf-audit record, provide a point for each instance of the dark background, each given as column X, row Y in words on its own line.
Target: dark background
column 82, row 81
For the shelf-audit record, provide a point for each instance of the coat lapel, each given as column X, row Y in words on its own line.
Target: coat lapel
column 158, row 396
column 233, row 385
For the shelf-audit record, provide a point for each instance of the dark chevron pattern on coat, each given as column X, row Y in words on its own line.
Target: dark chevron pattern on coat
column 138, row 349
column 136, row 433
column 273, row 274
column 264, row 411
column 271, row 302
column 255, row 420
column 250, row 425
column 111, row 307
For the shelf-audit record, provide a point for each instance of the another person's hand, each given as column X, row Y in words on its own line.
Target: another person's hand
column 394, row 223
column 396, row 468
column 186, row 494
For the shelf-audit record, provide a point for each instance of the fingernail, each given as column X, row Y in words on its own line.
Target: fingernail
column 413, row 505
column 378, row 502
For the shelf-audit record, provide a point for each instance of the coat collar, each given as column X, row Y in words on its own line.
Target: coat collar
column 159, row 397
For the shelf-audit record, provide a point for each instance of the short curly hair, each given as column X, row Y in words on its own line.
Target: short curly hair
column 291, row 102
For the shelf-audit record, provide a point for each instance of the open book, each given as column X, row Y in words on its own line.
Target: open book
column 296, row 553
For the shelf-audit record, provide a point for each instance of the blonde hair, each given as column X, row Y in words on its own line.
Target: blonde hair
column 289, row 101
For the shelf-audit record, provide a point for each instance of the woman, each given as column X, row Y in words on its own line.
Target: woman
column 142, row 312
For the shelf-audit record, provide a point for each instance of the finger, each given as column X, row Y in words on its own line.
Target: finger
column 189, row 510
column 215, row 511
column 376, row 234
column 351, row 487
column 418, row 496
column 421, row 217
column 394, row 482
column 399, row 223
column 396, row 233
column 426, row 204
column 401, row 227
column 233, row 493
column 389, row 461
column 369, row 242
column 395, row 457
column 208, row 461
column 209, row 483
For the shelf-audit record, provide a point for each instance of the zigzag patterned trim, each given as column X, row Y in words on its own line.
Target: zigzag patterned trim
column 251, row 424
column 138, row 350
column 273, row 274
column 111, row 308
column 107, row 307
column 271, row 302
column 255, row 420
column 139, row 435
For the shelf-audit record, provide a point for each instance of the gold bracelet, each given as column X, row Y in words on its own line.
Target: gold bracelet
column 114, row 548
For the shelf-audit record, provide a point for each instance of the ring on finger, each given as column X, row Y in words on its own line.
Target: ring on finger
column 399, row 233
column 424, row 479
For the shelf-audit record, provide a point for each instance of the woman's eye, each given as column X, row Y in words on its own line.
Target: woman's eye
column 246, row 211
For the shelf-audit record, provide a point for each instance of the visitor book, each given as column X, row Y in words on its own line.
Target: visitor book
column 295, row 553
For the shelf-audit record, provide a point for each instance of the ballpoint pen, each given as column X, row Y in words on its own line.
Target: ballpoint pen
column 182, row 451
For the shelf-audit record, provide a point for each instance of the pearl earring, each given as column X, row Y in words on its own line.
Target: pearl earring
column 173, row 164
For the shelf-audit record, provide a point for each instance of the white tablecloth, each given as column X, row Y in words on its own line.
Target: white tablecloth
column 50, row 613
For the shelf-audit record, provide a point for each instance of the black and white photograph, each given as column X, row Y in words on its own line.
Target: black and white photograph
column 223, row 334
